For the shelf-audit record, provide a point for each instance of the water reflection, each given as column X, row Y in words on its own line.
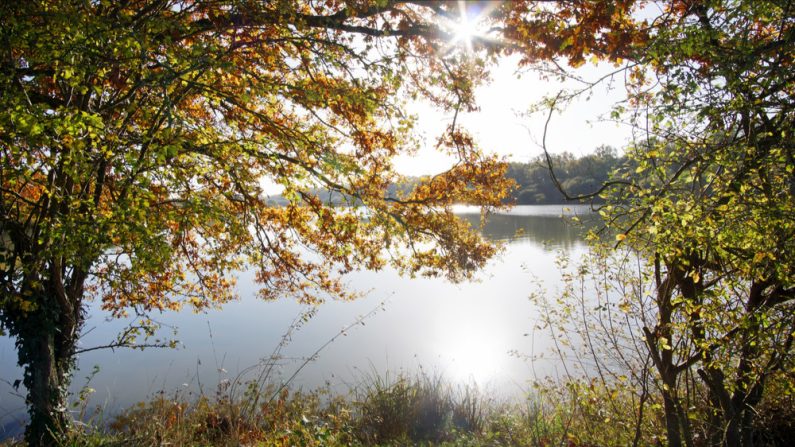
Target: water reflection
column 552, row 230
column 464, row 331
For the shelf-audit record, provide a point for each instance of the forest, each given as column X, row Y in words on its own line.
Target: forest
column 533, row 184
column 578, row 176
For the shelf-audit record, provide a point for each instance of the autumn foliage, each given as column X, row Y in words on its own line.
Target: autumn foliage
column 140, row 140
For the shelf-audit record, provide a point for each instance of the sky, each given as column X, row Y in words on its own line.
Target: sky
column 503, row 126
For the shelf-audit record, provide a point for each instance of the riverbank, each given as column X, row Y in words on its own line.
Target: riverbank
column 398, row 410
column 381, row 410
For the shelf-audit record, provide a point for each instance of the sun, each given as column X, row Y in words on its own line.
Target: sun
column 470, row 23
column 465, row 29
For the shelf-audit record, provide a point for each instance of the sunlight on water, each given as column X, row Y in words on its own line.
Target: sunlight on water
column 473, row 358
column 461, row 331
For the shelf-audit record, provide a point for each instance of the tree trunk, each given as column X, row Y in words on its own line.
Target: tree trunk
column 747, row 429
column 46, row 380
column 732, row 436
column 46, row 346
column 671, row 421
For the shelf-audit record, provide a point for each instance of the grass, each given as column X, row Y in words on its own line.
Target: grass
column 381, row 410
column 395, row 410
column 419, row 409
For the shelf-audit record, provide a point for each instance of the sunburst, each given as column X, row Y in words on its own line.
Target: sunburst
column 470, row 25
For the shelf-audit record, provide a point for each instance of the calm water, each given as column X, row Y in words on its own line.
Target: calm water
column 464, row 331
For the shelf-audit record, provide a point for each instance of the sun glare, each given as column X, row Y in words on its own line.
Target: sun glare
column 465, row 29
column 473, row 359
column 469, row 25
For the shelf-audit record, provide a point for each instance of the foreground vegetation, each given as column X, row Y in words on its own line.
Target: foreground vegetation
column 403, row 410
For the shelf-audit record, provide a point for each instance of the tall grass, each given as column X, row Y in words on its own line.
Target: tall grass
column 381, row 409
column 415, row 409
column 394, row 410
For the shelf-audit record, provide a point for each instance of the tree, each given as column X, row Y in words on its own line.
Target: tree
column 577, row 176
column 138, row 137
column 710, row 196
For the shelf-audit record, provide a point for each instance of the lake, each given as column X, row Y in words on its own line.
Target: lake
column 466, row 331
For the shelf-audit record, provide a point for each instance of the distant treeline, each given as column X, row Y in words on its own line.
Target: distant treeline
column 577, row 175
column 534, row 185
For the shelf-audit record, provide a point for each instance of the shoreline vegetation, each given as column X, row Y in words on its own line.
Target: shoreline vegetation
column 586, row 407
column 395, row 410
column 578, row 175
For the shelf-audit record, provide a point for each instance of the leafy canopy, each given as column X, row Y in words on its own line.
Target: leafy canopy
column 139, row 138
column 707, row 197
